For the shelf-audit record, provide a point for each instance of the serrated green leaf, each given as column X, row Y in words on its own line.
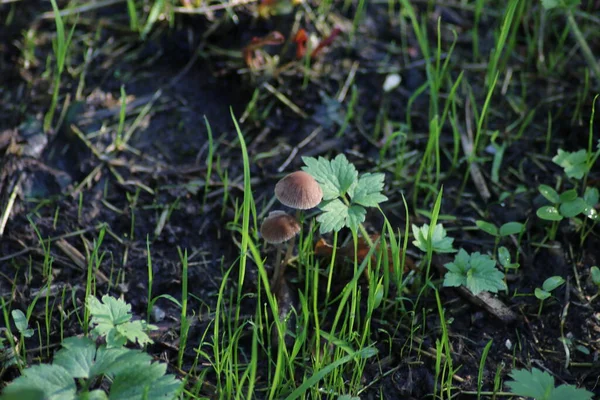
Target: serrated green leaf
column 549, row 213
column 111, row 318
column 511, row 228
column 573, row 163
column 572, row 208
column 367, row 191
column 483, row 275
column 356, row 216
column 76, row 356
column 570, row 392
column 333, row 217
column 540, row 386
column 552, row 283
column 335, row 177
column 149, row 383
column 549, row 193
column 55, row 382
column 541, row 294
column 487, row 227
column 439, row 241
column 536, row 384
column 21, row 323
column 476, row 271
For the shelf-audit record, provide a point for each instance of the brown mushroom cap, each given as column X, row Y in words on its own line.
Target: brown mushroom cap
column 299, row 190
column 279, row 227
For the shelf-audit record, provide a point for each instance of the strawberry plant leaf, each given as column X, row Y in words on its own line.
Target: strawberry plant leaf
column 540, row 386
column 53, row 380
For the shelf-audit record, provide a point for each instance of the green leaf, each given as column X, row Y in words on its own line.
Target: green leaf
column 76, row 356
column 541, row 294
column 549, row 193
column 148, row 383
column 569, row 195
column 477, row 272
column 595, row 273
column 504, row 256
column 367, row 192
column 591, row 196
column 21, row 323
column 336, row 215
column 552, row 283
column 534, row 384
column 439, row 241
column 457, row 270
column 335, row 177
column 487, row 227
column 570, row 392
column 53, row 380
column 111, row 318
column 573, row 163
column 540, row 386
column 511, row 228
column 572, row 208
column 549, row 213
column 483, row 275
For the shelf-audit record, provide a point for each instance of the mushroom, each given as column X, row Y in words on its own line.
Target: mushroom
column 279, row 227
column 299, row 190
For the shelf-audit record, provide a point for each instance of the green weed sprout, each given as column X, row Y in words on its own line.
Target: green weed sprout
column 540, row 386
column 510, row 228
column 477, row 272
column 505, row 260
column 345, row 194
column 546, row 290
column 440, row 242
column 568, row 6
column 567, row 205
column 82, row 370
column 61, row 46
column 575, row 164
column 111, row 319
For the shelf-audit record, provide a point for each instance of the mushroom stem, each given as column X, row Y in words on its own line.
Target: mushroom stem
column 276, row 267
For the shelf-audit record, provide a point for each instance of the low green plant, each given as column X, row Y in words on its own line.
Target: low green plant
column 440, row 241
column 345, row 194
column 81, row 369
column 546, row 290
column 476, row 271
column 595, row 275
column 507, row 229
column 111, row 319
column 540, row 385
column 505, row 260
column 567, row 205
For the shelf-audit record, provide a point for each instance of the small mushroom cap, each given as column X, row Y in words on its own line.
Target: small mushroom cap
column 279, row 227
column 299, row 190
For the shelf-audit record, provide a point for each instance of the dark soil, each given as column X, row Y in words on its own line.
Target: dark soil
column 153, row 193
